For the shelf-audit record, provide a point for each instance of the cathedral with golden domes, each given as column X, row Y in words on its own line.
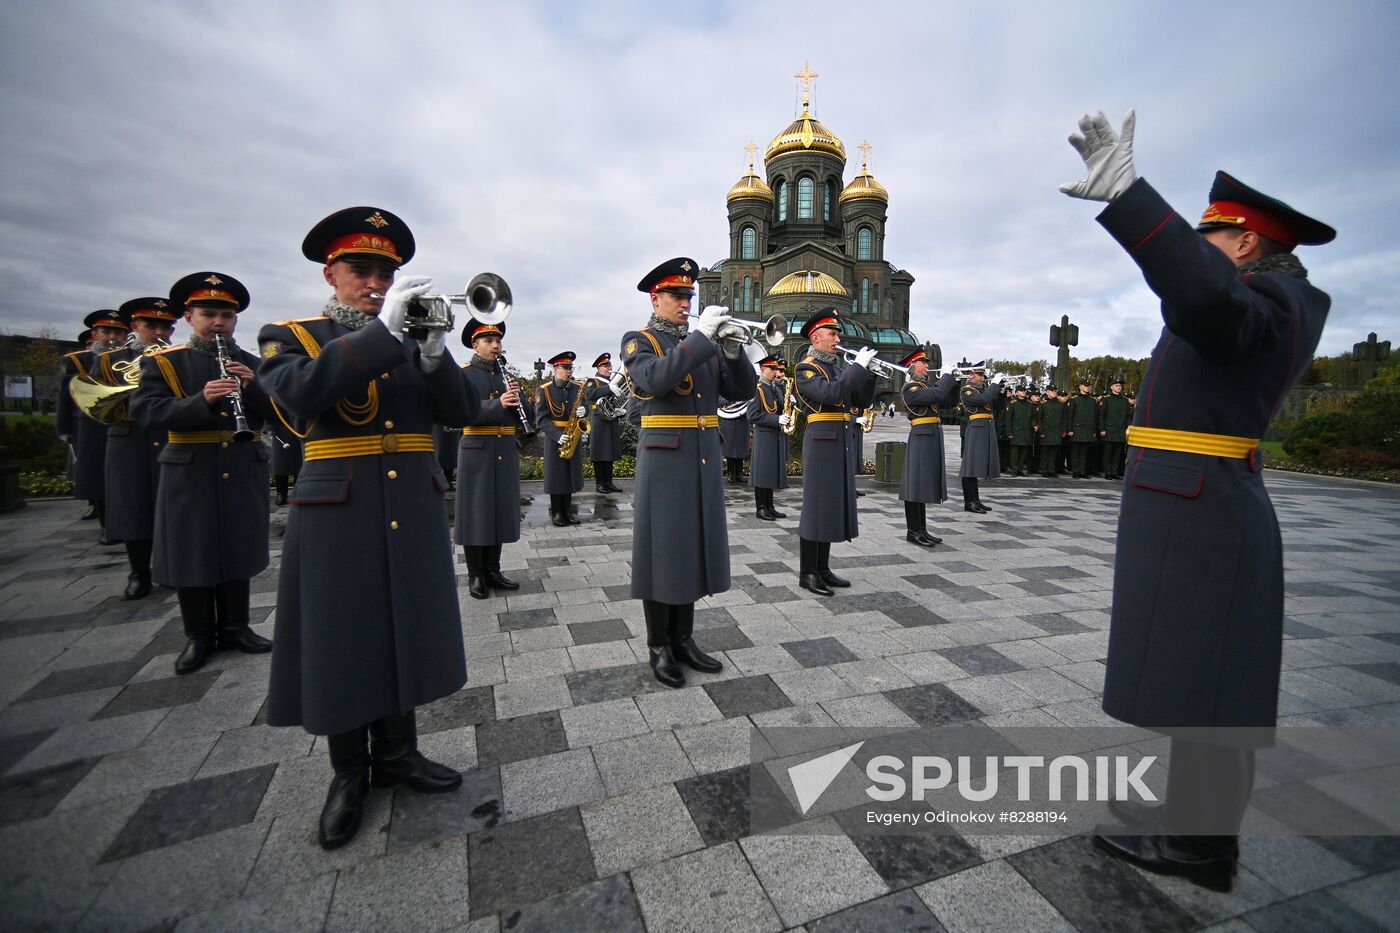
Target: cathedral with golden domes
column 802, row 240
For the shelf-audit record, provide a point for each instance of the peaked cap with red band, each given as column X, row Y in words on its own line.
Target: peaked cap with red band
column 85, row 338
column 107, row 317
column 360, row 233
column 603, row 358
column 209, row 288
column 823, row 318
column 771, row 362
column 913, row 358
column 152, row 309
column 1235, row 204
column 562, row 359
column 673, row 275
column 475, row 329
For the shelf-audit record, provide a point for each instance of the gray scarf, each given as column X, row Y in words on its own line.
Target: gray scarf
column 346, row 316
column 1280, row 263
column 666, row 327
column 824, row 356
column 209, row 346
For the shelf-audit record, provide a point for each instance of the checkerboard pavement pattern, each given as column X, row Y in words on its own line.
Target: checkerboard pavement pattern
column 595, row 799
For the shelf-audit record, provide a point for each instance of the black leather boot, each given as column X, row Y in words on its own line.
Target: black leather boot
column 102, row 538
column 231, row 604
column 138, row 583
column 197, row 615
column 345, row 801
column 395, row 759
column 760, row 506
column 566, row 510
column 663, row 659
column 91, row 512
column 971, row 503
column 476, row 572
column 914, row 521
column 494, row 577
column 824, row 567
column 683, row 644
column 281, row 482
column 1211, row 867
column 772, row 509
column 807, row 576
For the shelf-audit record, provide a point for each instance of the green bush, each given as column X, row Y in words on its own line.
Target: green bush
column 45, row 484
column 1360, row 433
column 30, row 441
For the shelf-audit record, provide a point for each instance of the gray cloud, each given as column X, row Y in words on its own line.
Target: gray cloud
column 570, row 147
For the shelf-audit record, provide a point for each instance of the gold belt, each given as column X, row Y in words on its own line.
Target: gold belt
column 1191, row 442
column 680, row 421
column 977, row 417
column 929, row 420
column 200, row 437
column 494, row 431
column 829, row 416
column 560, row 424
column 368, row 446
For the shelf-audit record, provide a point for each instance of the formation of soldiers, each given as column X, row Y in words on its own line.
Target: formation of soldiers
column 1084, row 434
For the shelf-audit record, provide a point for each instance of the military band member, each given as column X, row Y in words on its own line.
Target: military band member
column 680, row 540
column 604, row 434
column 735, row 443
column 132, row 470
column 88, row 436
column 488, row 463
column 211, row 513
column 1020, row 430
column 770, row 443
column 286, row 457
column 925, row 476
column 559, row 402
column 1083, row 414
column 1114, row 415
column 446, row 440
column 980, row 458
column 1196, row 627
column 368, row 626
column 827, row 389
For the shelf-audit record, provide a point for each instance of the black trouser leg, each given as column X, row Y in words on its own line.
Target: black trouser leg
column 1079, row 458
column 231, row 600
column 492, row 553
column 282, row 482
column 197, row 610
column 914, row 517
column 1208, row 789
column 823, row 557
column 491, row 564
column 1112, row 459
column 340, row 817
column 138, row 556
column 807, row 556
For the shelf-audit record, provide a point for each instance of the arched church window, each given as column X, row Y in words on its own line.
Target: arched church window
column 747, row 304
column 865, row 296
column 864, row 250
column 826, row 201
column 782, row 201
column 749, row 243
column 804, row 198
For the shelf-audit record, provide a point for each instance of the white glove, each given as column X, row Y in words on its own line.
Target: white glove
column 394, row 313
column 1108, row 158
column 581, row 411
column 563, row 439
column 711, row 319
column 615, row 384
column 430, row 350
column 732, row 331
column 863, row 357
column 784, row 420
column 67, row 439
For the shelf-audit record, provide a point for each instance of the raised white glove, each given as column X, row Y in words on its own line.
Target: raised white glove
column 863, row 357
column 615, row 384
column 1108, row 157
column 581, row 411
column 784, row 420
column 711, row 319
column 394, row 313
column 430, row 350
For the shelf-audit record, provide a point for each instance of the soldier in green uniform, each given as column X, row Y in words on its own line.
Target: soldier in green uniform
column 1051, row 432
column 1033, row 452
column 1114, row 415
column 1083, row 417
column 1020, row 430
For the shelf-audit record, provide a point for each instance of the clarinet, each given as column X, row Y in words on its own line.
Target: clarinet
column 241, row 430
column 505, row 380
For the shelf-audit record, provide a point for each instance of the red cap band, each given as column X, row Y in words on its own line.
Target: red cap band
column 1251, row 218
column 365, row 243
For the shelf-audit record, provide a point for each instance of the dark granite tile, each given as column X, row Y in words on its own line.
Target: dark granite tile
column 419, row 818
column 1374, row 854
column 517, row 864
column 43, row 625
column 33, row 794
column 468, row 707
column 745, row 695
column 611, row 683
column 15, row 747
column 1390, row 637
column 914, row 616
column 958, row 566
column 968, row 594
column 590, row 633
column 1316, row 912
column 619, row 593
column 740, row 549
column 187, row 811
column 743, row 581
column 1097, row 892
column 979, row 659
column 527, row 618
column 902, row 912
column 868, row 602
column 1385, row 670
column 78, row 679
column 604, row 905
column 770, row 566
column 1052, row 623
column 159, row 694
column 928, row 581
column 905, row 861
column 1040, row 587
column 868, row 560
column 544, row 563
column 721, row 638
column 721, row 803
column 501, row 741
column 168, row 643
column 819, row 652
column 710, row 618
column 1296, row 629
column 932, row 705
column 1317, row 588
column 1056, row 572
column 771, row 594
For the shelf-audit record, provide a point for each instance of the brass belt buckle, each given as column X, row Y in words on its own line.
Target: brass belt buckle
column 390, row 443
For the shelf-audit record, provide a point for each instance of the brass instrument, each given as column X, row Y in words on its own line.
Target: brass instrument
column 790, row 408
column 575, row 429
column 867, row 420
column 772, row 331
column 878, row 366
column 612, row 407
column 487, row 296
column 734, row 411
column 241, row 431
column 102, row 402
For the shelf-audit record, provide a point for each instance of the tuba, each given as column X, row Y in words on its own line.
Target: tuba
column 612, row 407
column 575, row 429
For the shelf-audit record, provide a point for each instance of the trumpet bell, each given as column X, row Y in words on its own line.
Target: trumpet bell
column 99, row 402
column 775, row 330
column 489, row 298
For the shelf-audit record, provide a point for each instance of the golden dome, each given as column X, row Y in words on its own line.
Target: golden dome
column 750, row 186
column 808, row 283
column 864, row 185
column 805, row 133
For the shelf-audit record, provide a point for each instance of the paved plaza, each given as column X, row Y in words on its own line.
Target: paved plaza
column 595, row 799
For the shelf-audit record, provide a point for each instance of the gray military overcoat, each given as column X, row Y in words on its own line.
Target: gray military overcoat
column 554, row 405
column 488, row 465
column 770, row 445
column 604, row 436
column 980, row 457
column 132, row 467
column 828, row 450
column 925, row 475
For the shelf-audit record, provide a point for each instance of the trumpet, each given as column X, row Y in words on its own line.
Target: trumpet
column 487, row 296
column 772, row 331
column 878, row 366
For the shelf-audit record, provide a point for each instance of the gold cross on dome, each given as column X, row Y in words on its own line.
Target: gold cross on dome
column 751, row 149
column 376, row 219
column 806, row 75
column 864, row 148
column 214, row 280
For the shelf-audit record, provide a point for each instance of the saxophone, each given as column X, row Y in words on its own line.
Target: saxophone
column 790, row 408
column 867, row 419
column 576, row 428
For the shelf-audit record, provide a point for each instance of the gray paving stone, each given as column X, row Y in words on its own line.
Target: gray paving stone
column 631, row 764
column 505, row 740
column 719, row 878
column 254, row 745
column 200, row 807
column 894, row 913
column 299, row 906
column 160, row 694
column 31, row 794
column 673, row 709
column 419, row 818
column 596, row 723
column 421, row 889
column 719, row 745
column 746, row 695
column 90, row 739
column 603, row 905
column 551, row 782
column 812, row 874
column 531, row 696
column 990, row 897
column 139, row 770
column 55, row 711
column 517, row 864
column 292, row 853
column 639, row 828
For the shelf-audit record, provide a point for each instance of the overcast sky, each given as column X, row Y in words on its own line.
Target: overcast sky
column 572, row 146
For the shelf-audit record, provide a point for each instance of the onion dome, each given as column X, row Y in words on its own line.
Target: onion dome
column 805, row 133
column 807, row 283
column 864, row 184
column 750, row 186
